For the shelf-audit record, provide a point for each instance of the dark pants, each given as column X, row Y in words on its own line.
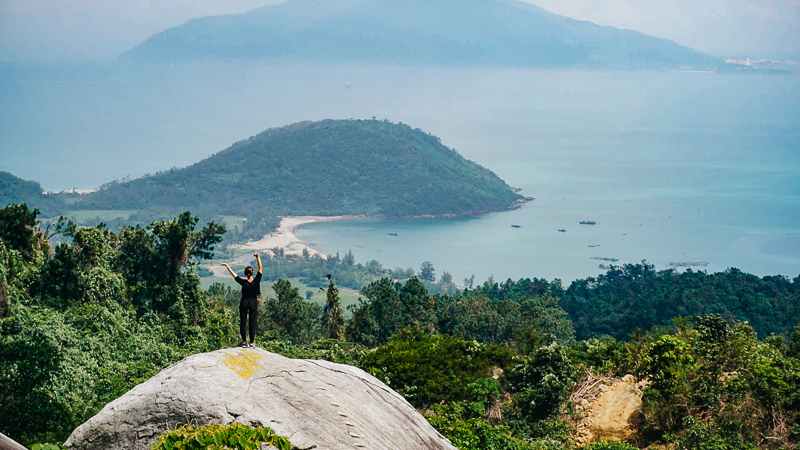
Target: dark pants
column 248, row 305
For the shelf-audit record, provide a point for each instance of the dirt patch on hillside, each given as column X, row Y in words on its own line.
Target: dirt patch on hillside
column 610, row 408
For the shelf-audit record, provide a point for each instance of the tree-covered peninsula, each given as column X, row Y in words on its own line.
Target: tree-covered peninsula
column 331, row 167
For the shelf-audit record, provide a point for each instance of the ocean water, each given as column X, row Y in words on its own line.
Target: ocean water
column 672, row 166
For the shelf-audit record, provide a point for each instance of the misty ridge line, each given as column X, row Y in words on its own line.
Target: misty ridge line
column 493, row 33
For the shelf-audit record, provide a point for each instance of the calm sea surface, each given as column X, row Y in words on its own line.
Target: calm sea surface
column 673, row 167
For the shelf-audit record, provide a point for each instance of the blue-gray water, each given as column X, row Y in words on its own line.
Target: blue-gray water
column 672, row 166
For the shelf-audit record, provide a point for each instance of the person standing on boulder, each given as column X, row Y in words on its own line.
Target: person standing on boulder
column 248, row 306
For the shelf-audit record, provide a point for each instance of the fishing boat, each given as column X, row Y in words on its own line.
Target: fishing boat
column 561, row 230
column 392, row 233
column 516, row 225
column 588, row 222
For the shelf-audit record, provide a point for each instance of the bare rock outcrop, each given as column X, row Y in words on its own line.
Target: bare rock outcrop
column 610, row 408
column 315, row 404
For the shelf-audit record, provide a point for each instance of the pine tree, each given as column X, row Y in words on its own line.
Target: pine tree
column 332, row 316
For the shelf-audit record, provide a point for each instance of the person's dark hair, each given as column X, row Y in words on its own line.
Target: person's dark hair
column 248, row 271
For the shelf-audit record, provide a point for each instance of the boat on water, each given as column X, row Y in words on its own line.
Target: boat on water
column 605, row 258
column 588, row 222
column 561, row 230
column 393, row 233
column 516, row 225
column 689, row 264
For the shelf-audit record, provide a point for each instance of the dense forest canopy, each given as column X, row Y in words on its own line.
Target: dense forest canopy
column 491, row 366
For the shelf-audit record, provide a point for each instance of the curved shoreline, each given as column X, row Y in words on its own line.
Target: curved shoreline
column 284, row 236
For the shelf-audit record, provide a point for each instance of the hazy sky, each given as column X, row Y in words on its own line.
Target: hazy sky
column 89, row 29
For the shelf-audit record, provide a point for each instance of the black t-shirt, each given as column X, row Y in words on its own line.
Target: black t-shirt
column 250, row 290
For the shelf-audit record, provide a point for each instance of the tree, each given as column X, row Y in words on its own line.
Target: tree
column 390, row 307
column 428, row 369
column 469, row 282
column 427, row 273
column 177, row 240
column 544, row 315
column 381, row 316
column 713, row 381
column 332, row 316
column 476, row 317
column 289, row 316
column 18, row 227
column 540, row 383
column 72, row 341
column 446, row 279
column 349, row 259
column 152, row 263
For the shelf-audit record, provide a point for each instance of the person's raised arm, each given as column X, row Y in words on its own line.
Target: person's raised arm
column 233, row 274
column 258, row 260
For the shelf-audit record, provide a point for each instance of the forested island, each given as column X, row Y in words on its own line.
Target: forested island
column 493, row 365
column 331, row 167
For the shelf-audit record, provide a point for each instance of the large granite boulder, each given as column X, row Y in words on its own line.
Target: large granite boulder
column 316, row 404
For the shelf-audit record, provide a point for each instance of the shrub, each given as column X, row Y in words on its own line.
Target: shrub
column 427, row 369
column 540, row 383
column 610, row 444
column 217, row 437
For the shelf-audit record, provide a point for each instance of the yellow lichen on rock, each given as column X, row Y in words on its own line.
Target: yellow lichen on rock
column 244, row 364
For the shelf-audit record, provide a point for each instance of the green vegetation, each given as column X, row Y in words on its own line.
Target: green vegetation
column 331, row 167
column 218, row 437
column 427, row 369
column 83, row 323
column 636, row 296
column 609, row 445
column 490, row 367
column 48, row 446
column 348, row 296
column 16, row 190
column 714, row 384
column 332, row 314
column 97, row 216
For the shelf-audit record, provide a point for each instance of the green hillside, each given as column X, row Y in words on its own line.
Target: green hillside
column 16, row 190
column 330, row 167
column 13, row 188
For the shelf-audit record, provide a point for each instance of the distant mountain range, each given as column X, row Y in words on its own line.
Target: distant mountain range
column 462, row 32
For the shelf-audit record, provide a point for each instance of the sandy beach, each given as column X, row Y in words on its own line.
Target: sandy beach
column 283, row 237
